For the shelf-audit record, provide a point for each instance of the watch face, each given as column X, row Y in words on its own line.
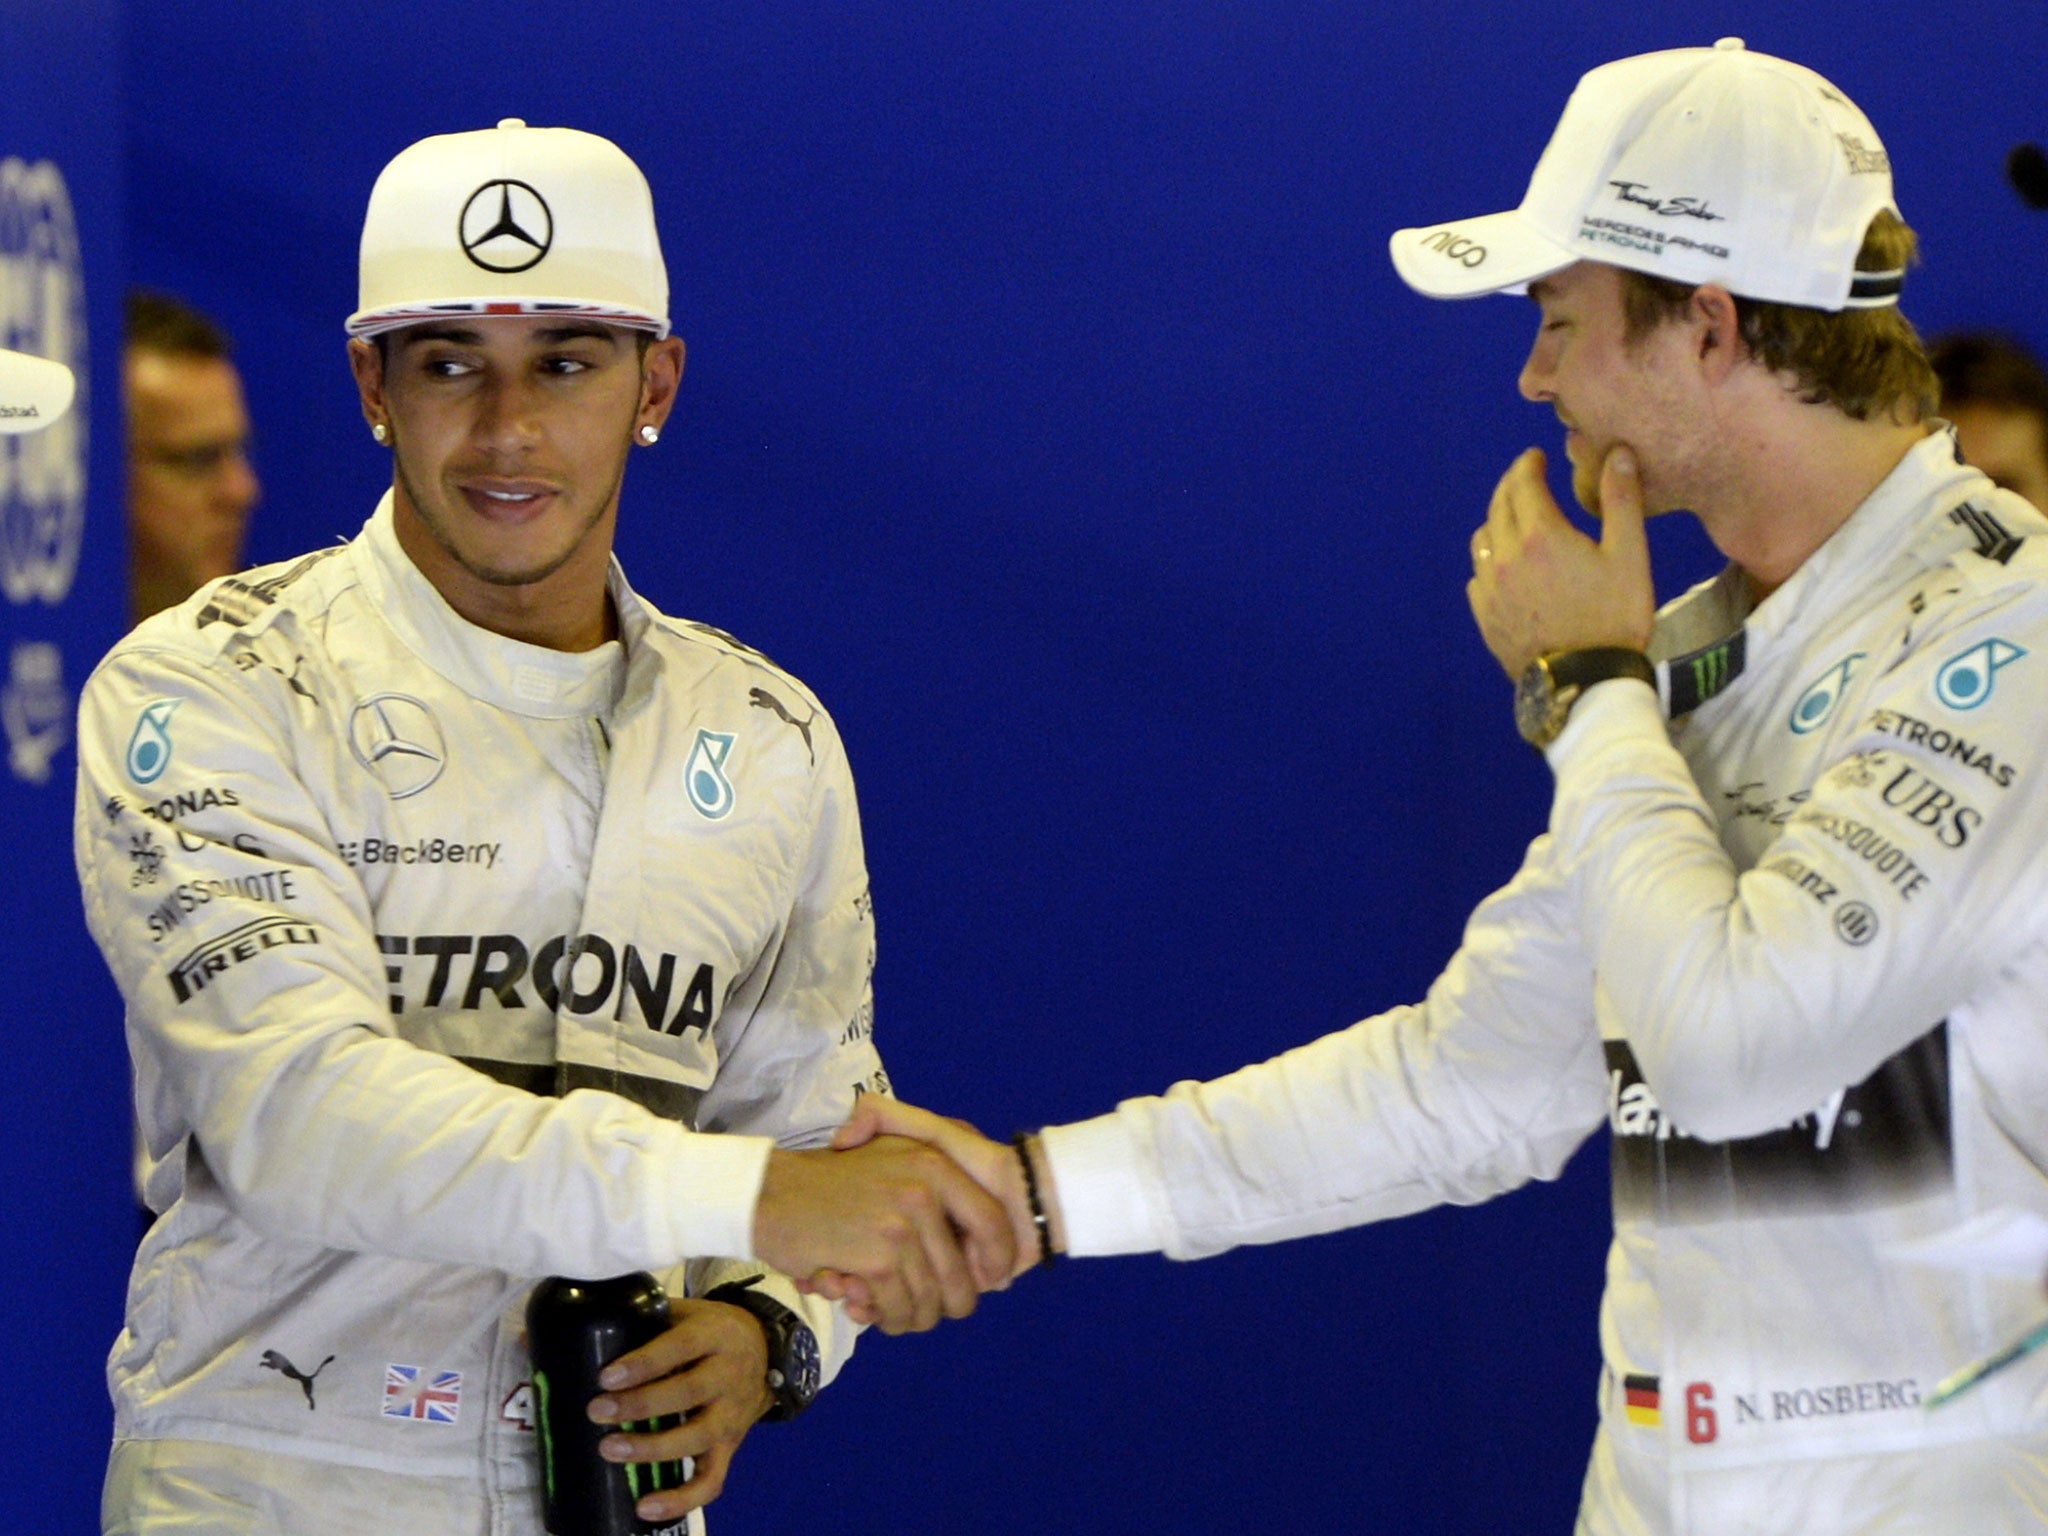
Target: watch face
column 1534, row 698
column 803, row 1372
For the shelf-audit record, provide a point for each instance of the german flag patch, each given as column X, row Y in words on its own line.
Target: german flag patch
column 1640, row 1395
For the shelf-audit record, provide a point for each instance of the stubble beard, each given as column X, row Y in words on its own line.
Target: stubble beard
column 497, row 576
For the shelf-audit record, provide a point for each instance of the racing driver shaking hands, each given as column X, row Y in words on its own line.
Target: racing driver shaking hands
column 1785, row 933
column 478, row 922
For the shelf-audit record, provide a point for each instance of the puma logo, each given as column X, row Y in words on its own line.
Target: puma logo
column 761, row 698
column 273, row 1361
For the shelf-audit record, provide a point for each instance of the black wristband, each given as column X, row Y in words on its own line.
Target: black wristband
column 1039, row 1219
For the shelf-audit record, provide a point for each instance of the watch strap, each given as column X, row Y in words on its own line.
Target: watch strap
column 786, row 1374
column 1596, row 664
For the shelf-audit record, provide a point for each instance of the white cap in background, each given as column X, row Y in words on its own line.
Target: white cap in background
column 511, row 220
column 33, row 392
column 1702, row 165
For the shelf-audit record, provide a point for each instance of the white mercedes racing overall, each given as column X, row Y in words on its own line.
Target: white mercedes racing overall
column 1787, row 945
column 450, row 962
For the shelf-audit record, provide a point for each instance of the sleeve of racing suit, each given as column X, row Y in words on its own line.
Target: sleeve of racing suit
column 1489, row 1082
column 1892, row 895
column 262, row 1034
column 796, row 1040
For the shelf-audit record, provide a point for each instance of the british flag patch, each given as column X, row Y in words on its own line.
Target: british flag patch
column 410, row 1393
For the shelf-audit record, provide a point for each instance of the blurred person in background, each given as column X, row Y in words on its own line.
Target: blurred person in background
column 1994, row 392
column 191, row 486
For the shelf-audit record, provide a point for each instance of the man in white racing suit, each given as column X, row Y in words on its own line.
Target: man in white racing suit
column 458, row 897
column 1784, row 935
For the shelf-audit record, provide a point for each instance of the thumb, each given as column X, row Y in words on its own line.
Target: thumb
column 1621, row 506
column 861, row 1127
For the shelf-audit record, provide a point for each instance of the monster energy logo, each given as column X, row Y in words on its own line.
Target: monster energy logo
column 1698, row 676
column 645, row 1477
column 642, row 1477
column 547, row 1440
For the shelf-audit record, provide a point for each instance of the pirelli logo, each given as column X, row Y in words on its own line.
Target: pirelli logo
column 192, row 974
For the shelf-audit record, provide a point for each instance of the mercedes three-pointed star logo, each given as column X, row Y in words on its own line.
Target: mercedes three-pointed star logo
column 398, row 739
column 506, row 226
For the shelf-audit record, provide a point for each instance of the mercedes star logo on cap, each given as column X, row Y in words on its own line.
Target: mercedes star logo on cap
column 508, row 232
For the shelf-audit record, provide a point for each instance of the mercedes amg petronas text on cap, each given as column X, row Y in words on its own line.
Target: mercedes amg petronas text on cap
column 511, row 220
column 33, row 392
column 1702, row 165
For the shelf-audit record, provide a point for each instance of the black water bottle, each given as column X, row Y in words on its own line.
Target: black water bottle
column 574, row 1329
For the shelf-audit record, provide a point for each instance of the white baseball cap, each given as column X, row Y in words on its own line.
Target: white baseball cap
column 511, row 220
column 1702, row 165
column 33, row 392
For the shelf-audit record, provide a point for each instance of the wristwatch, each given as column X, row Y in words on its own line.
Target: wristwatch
column 793, row 1366
column 1547, row 691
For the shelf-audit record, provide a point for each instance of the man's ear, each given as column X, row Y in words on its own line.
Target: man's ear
column 1719, row 329
column 367, row 363
column 661, row 373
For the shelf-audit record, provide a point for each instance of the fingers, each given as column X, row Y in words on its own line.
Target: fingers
column 983, row 1223
column 863, row 1125
column 680, row 1344
column 707, row 1474
column 1621, row 505
column 1522, row 501
column 943, row 1283
column 850, row 1291
column 711, row 1402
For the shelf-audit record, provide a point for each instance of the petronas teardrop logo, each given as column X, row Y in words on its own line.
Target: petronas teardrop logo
column 704, row 777
column 149, row 749
column 1816, row 706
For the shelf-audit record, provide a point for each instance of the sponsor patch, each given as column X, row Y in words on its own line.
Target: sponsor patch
column 1816, row 706
column 1877, row 1143
column 273, row 1361
column 1697, row 676
column 398, row 739
column 704, row 777
column 1944, row 743
column 149, row 748
column 192, row 974
column 147, row 859
column 1966, row 681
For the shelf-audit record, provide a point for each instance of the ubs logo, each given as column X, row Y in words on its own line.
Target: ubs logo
column 506, row 226
column 42, row 311
column 398, row 739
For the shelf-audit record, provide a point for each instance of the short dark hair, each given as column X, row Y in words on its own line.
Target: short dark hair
column 1864, row 362
column 160, row 322
column 1984, row 368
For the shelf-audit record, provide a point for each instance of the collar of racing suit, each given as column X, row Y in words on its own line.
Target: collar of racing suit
column 1706, row 632
column 511, row 674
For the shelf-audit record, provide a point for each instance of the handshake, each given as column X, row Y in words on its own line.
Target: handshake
column 910, row 1216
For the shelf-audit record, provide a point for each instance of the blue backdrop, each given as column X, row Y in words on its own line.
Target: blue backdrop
column 1051, row 408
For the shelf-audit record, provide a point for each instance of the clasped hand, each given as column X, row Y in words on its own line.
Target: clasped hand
column 908, row 1219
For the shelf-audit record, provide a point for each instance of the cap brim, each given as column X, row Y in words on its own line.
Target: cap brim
column 1495, row 253
column 365, row 323
column 33, row 392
